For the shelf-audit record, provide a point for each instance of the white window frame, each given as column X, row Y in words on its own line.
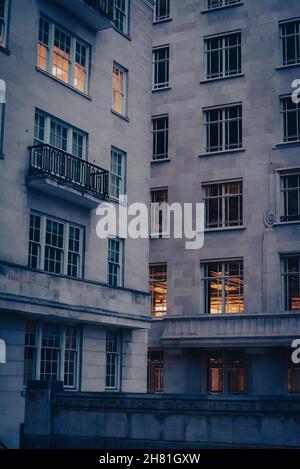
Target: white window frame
column 62, row 349
column 118, row 355
column 223, row 54
column 284, row 276
column 126, row 15
column 4, row 25
column 70, row 130
column 284, row 113
column 296, row 37
column 159, row 213
column 72, row 58
column 119, row 265
column 124, row 93
column 223, row 201
column 283, row 212
column 121, row 178
column 42, row 245
column 216, row 4
column 157, row 18
column 223, row 123
column 166, row 84
column 155, row 155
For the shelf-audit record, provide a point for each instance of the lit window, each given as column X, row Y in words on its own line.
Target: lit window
column 121, row 16
column 62, row 55
column 226, row 372
column 162, row 10
column 158, row 289
column 290, row 42
column 55, row 246
column 211, row 4
column 118, row 173
column 119, row 85
column 160, row 133
column 223, row 56
column 4, row 6
column 223, row 205
column 290, row 188
column 224, row 287
column 159, row 213
column 113, row 360
column 290, row 112
column 291, row 282
column 51, row 353
column 160, row 66
column 223, row 128
column 155, row 371
column 115, row 262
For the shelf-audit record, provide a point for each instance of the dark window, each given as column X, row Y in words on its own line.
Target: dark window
column 291, row 280
column 226, row 372
column 160, row 132
column 291, row 120
column 223, row 56
column 160, row 68
column 290, row 42
column 224, row 205
column 155, row 371
column 223, row 128
column 290, row 187
column 161, row 10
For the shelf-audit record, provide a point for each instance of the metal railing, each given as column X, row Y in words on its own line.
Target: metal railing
column 63, row 167
column 103, row 7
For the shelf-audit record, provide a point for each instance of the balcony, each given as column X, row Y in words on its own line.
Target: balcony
column 233, row 330
column 97, row 14
column 56, row 172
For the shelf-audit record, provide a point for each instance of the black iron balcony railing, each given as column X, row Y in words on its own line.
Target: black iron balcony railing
column 103, row 7
column 63, row 167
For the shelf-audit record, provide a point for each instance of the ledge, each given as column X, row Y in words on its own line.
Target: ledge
column 125, row 118
column 229, row 228
column 287, row 223
column 166, row 20
column 287, row 144
column 213, row 80
column 163, row 160
column 287, row 67
column 224, row 152
column 67, row 85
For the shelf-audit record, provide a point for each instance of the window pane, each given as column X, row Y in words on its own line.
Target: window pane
column 215, row 373
column 155, row 372
column 158, row 289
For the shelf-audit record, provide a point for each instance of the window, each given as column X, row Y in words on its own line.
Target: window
column 51, row 353
column 158, row 289
column 160, row 133
column 155, row 371
column 291, row 282
column 223, row 56
column 290, row 42
column 211, row 4
column 161, row 10
column 119, row 84
column 115, row 262
column 48, row 129
column 63, row 56
column 223, row 128
column 3, row 22
column 160, row 68
column 121, row 16
column 291, row 120
column 226, row 372
column 2, row 113
column 159, row 225
column 223, row 205
column 55, row 246
column 118, row 173
column 113, row 360
column 224, row 287
column 290, row 188
column 294, row 378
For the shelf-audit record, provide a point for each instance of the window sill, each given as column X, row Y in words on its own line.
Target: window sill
column 166, row 88
column 288, row 144
column 165, row 20
column 47, row 74
column 125, row 118
column 283, row 67
column 224, row 152
column 228, row 228
column 210, row 80
column 287, row 223
column 222, row 8
column 153, row 318
column 5, row 50
column 127, row 36
column 163, row 160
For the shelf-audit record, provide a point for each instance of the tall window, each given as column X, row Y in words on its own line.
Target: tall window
column 162, row 10
column 158, row 289
column 3, row 22
column 119, row 85
column 224, row 287
column 290, row 42
column 2, row 113
column 155, row 371
column 226, row 372
column 159, row 226
column 113, row 360
column 294, row 378
column 160, row 68
column 62, row 55
column 291, row 120
column 223, row 128
column 211, row 4
column 223, row 56
column 290, row 188
column 115, row 262
column 118, row 173
column 121, row 16
column 51, row 353
column 55, row 246
column 291, row 282
column 48, row 129
column 223, row 205
column 160, row 132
